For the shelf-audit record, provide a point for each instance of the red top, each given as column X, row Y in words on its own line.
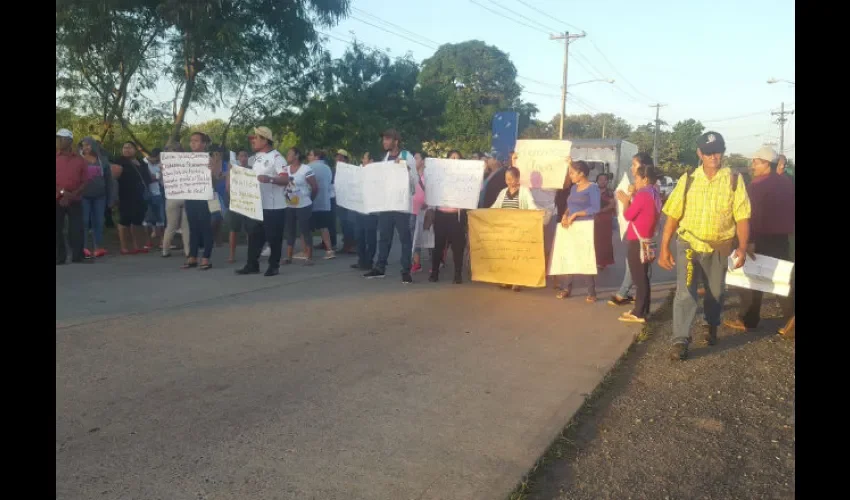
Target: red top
column 772, row 202
column 642, row 213
column 71, row 171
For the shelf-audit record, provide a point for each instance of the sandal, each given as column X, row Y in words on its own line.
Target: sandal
column 205, row 267
column 189, row 265
column 562, row 294
column 516, row 288
column 628, row 317
column 591, row 299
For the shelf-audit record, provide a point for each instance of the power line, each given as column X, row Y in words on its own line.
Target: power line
column 730, row 118
column 509, row 18
column 549, row 16
column 396, row 26
column 394, row 33
column 618, row 73
column 553, row 30
column 539, row 82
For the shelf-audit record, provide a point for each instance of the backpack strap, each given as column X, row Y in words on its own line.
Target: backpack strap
column 734, row 179
column 689, row 180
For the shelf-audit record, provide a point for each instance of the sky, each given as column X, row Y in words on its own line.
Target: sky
column 704, row 60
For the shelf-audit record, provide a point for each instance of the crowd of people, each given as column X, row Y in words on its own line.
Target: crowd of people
column 711, row 212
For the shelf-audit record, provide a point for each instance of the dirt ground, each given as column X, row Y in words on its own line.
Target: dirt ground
column 718, row 426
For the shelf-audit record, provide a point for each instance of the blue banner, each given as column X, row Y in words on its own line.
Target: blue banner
column 505, row 131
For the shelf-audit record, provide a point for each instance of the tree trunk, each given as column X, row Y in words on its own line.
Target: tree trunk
column 191, row 74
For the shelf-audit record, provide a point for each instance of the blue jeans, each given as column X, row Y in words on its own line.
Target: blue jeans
column 155, row 215
column 200, row 228
column 366, row 234
column 94, row 214
column 388, row 224
column 348, row 221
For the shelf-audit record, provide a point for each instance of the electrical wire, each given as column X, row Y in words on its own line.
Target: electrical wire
column 396, row 26
column 509, row 18
column 549, row 16
column 394, row 33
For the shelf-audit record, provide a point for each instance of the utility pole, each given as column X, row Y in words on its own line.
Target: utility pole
column 657, row 107
column 566, row 37
column 781, row 121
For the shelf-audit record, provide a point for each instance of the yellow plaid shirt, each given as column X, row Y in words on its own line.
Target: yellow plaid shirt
column 712, row 208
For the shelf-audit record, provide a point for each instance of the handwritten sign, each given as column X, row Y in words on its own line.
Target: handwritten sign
column 506, row 246
column 543, row 164
column 453, row 183
column 766, row 274
column 386, row 187
column 574, row 251
column 349, row 187
column 622, row 223
column 245, row 197
column 187, row 176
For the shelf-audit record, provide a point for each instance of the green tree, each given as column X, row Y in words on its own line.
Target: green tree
column 683, row 141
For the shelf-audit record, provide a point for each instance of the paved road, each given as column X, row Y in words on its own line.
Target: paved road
column 313, row 384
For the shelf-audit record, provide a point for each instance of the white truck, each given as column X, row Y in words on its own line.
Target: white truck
column 610, row 156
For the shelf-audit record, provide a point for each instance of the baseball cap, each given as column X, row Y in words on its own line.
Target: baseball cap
column 264, row 132
column 63, row 132
column 343, row 153
column 767, row 154
column 711, row 143
column 392, row 134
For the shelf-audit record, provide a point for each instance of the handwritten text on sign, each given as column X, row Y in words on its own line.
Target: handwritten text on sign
column 574, row 251
column 245, row 197
column 543, row 164
column 453, row 183
column 386, row 187
column 186, row 176
column 506, row 246
column 349, row 187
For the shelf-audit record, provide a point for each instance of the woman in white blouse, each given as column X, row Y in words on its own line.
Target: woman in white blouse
column 514, row 197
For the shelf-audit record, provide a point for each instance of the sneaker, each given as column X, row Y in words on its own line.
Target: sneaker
column 247, row 270
column 266, row 252
column 416, row 268
column 709, row 336
column 87, row 253
column 434, row 276
column 617, row 301
column 458, row 279
column 736, row 324
column 300, row 256
column 406, row 278
column 330, row 254
column 679, row 351
column 272, row 271
column 374, row 273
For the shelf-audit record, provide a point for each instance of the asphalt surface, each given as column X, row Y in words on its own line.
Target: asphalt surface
column 183, row 384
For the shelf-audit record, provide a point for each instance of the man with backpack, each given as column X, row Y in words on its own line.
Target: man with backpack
column 391, row 222
column 709, row 211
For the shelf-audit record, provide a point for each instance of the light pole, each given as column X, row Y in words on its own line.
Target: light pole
column 781, row 114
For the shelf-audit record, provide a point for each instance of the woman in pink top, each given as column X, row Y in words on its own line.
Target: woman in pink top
column 417, row 213
column 448, row 230
column 642, row 212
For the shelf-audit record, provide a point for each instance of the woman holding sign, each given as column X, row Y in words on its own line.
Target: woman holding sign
column 199, row 216
column 514, row 197
column 448, row 231
column 582, row 204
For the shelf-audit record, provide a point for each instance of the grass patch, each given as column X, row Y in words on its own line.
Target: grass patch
column 564, row 446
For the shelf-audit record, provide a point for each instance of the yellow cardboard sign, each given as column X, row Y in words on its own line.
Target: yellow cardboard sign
column 506, row 246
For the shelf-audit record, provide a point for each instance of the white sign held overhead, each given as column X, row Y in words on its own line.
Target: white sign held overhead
column 543, row 164
column 453, row 183
column 187, row 176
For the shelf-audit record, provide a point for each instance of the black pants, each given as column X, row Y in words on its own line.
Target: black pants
column 298, row 219
column 448, row 229
column 640, row 277
column 332, row 225
column 777, row 246
column 74, row 212
column 269, row 230
column 200, row 228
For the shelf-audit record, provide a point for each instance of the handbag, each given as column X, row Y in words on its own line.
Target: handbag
column 648, row 247
column 429, row 219
column 146, row 192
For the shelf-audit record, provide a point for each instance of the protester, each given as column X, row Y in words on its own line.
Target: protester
column 448, row 231
column 96, row 196
column 366, row 232
column 176, row 219
column 603, row 223
column 390, row 222
column 301, row 183
column 772, row 221
column 198, row 214
column 642, row 211
column 495, row 184
column 622, row 296
column 707, row 210
column 236, row 222
column 155, row 216
column 219, row 157
column 582, row 205
column 71, row 181
column 418, row 210
column 273, row 179
column 133, row 192
column 347, row 218
column 514, row 197
column 322, row 217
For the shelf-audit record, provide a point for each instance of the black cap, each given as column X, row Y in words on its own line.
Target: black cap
column 392, row 134
column 711, row 143
column 156, row 152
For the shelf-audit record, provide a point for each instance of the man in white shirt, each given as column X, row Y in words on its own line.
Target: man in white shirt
column 269, row 165
column 390, row 222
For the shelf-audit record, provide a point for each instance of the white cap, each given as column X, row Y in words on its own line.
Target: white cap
column 767, row 154
column 63, row 132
